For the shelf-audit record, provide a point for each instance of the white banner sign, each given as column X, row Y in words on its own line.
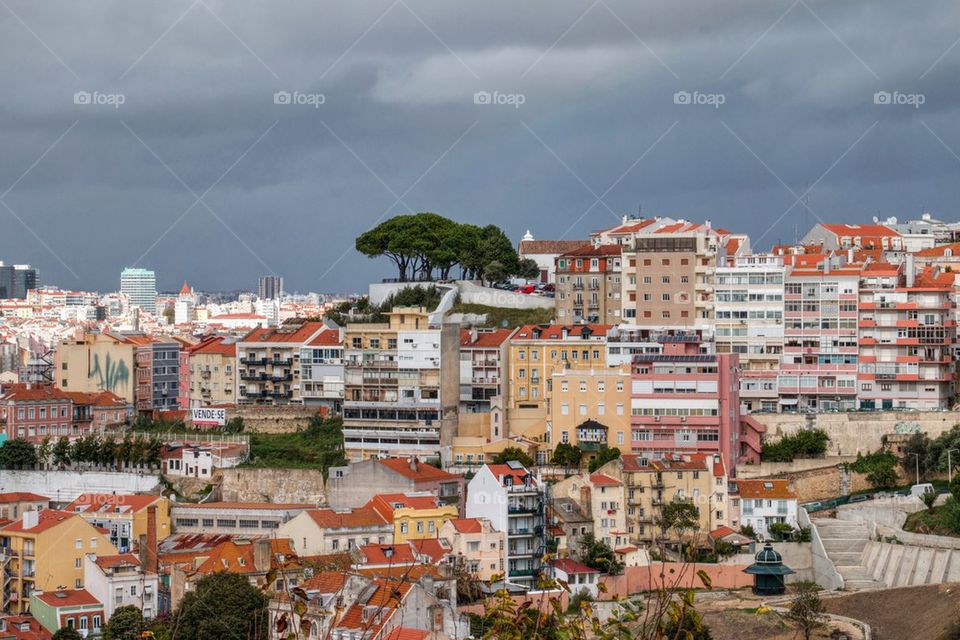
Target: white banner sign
column 212, row 417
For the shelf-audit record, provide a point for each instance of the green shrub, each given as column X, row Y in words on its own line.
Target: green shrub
column 806, row 443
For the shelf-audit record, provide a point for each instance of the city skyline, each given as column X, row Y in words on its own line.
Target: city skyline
column 257, row 154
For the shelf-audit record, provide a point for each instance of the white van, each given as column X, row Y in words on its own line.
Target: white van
column 919, row 489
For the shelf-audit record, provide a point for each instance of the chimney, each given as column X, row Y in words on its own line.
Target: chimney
column 261, row 555
column 909, row 268
column 564, row 333
column 850, row 256
column 413, row 463
column 148, row 555
column 585, row 502
column 31, row 519
column 474, row 334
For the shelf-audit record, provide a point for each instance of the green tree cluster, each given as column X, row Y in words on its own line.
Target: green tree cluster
column 604, row 455
column 513, row 453
column 567, row 455
column 598, row 555
column 223, row 605
column 427, row 245
column 806, row 443
column 94, row 449
column 17, row 453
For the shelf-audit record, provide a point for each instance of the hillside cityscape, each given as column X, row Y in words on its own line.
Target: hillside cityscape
column 432, row 320
column 500, row 433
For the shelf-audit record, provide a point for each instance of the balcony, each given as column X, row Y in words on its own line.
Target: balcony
column 254, row 361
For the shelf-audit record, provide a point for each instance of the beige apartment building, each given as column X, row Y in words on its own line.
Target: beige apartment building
column 669, row 269
column 475, row 542
column 590, row 408
column 213, row 372
column 588, row 284
column 651, row 483
column 604, row 497
column 97, row 362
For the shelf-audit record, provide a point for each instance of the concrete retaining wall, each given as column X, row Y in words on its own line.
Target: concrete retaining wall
column 472, row 293
column 824, row 572
column 66, row 486
column 796, row 555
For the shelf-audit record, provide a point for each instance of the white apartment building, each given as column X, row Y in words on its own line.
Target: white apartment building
column 749, row 322
column 513, row 501
column 764, row 502
column 120, row 581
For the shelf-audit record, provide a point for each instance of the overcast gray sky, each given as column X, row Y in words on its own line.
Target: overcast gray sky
column 201, row 175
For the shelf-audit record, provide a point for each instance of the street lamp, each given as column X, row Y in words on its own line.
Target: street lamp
column 918, row 466
column 950, row 466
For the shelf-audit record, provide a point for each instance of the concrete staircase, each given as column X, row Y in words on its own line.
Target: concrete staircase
column 846, row 543
column 868, row 564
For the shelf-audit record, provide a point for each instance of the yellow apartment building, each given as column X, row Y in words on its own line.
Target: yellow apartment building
column 590, row 408
column 44, row 551
column 415, row 516
column 123, row 516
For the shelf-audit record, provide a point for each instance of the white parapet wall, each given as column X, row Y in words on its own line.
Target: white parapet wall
column 66, row 486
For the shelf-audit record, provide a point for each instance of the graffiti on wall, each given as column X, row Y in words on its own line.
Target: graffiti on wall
column 111, row 376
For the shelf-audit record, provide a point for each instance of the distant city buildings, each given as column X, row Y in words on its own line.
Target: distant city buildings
column 16, row 280
column 270, row 287
column 140, row 288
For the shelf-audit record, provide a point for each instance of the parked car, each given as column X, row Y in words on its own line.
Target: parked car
column 919, row 489
column 527, row 288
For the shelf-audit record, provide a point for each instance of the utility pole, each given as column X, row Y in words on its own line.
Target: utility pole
column 918, row 466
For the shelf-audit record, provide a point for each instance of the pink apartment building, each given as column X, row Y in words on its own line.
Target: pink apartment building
column 907, row 330
column 686, row 400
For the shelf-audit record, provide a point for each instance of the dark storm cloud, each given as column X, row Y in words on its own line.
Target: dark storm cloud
column 598, row 134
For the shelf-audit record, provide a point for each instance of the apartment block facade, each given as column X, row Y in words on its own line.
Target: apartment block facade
column 321, row 370
column 269, row 362
column 588, row 284
column 401, row 385
column 749, row 322
column 213, row 372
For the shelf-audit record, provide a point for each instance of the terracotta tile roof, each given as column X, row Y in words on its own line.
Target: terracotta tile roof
column 21, row 496
column 270, row 506
column 325, row 582
column 216, row 345
column 632, row 227
column 424, row 472
column 569, row 566
column 504, row 471
column 603, row 480
column 555, row 331
column 487, row 339
column 401, row 573
column 721, row 532
column 591, row 251
column 432, row 547
column 765, row 489
column 239, row 557
column 47, row 519
column 328, row 338
column 386, row 503
column 36, row 393
column 861, row 230
column 384, row 602
column 286, row 333
column 940, row 250
column 467, row 525
column 404, row 633
column 392, row 554
column 110, row 503
column 72, row 598
column 355, row 518
column 121, row 560
column 528, row 247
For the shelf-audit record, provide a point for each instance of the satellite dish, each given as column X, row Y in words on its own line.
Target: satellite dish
column 504, row 323
column 876, row 219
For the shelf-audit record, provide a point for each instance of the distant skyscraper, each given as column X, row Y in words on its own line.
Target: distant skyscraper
column 270, row 287
column 140, row 287
column 16, row 280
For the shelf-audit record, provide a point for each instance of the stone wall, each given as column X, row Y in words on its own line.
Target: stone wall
column 268, row 419
column 858, row 431
column 66, row 486
column 822, row 479
column 272, row 485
